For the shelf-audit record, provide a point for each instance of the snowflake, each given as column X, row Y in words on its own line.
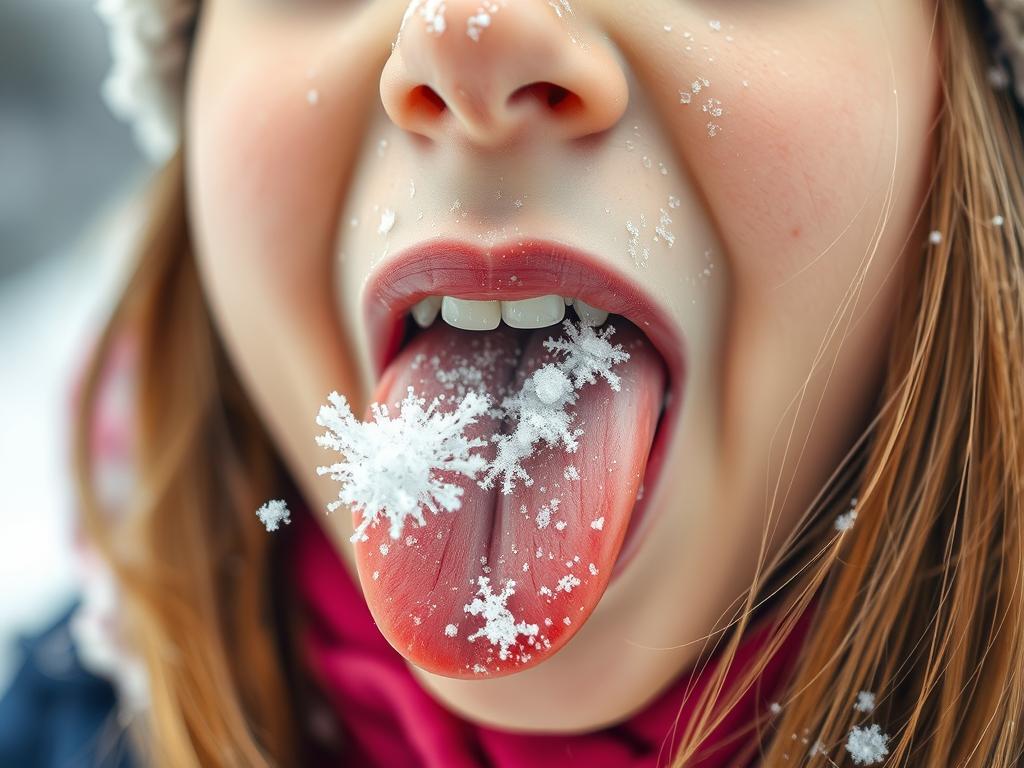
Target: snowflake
column 392, row 467
column 845, row 521
column 541, row 408
column 541, row 414
column 867, row 745
column 865, row 701
column 273, row 513
column 588, row 354
column 500, row 627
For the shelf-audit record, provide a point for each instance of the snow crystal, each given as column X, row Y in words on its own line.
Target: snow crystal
column 273, row 513
column 479, row 21
column 571, row 473
column 551, row 384
column 392, row 467
column 598, row 524
column 313, row 96
column 664, row 220
column 867, row 745
column 775, row 708
column 818, row 748
column 540, row 408
column 387, row 221
column 845, row 521
column 500, row 627
column 998, row 220
column 865, row 701
column 588, row 354
column 935, row 237
column 638, row 254
column 544, row 516
column 593, row 569
column 432, row 13
column 567, row 582
column 451, row 630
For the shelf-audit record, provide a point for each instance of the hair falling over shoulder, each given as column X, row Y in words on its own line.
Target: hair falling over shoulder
column 921, row 601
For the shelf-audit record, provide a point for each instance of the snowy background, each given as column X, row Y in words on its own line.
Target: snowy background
column 66, row 165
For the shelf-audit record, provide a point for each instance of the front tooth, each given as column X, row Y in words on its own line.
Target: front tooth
column 425, row 312
column 589, row 315
column 533, row 313
column 471, row 315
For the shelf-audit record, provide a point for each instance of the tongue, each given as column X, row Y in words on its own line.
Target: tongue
column 505, row 581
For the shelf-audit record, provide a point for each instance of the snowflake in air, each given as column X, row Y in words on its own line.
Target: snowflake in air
column 273, row 513
column 867, row 745
column 588, row 354
column 865, row 701
column 392, row 467
column 500, row 627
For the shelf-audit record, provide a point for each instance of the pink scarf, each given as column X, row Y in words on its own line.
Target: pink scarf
column 388, row 720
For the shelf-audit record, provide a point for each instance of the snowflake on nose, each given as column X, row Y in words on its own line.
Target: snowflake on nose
column 392, row 467
column 588, row 354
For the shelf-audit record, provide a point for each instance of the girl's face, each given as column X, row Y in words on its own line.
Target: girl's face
column 740, row 181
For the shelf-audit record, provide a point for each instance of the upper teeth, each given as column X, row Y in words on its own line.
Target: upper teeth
column 537, row 312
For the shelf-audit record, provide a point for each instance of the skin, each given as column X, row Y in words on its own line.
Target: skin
column 777, row 279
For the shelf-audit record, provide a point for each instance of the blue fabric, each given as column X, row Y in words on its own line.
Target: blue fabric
column 55, row 714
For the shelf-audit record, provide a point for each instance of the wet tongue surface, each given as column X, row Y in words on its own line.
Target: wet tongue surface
column 504, row 581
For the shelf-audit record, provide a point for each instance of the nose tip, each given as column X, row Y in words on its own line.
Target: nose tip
column 485, row 72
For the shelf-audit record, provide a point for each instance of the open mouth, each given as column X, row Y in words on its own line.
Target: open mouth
column 507, row 579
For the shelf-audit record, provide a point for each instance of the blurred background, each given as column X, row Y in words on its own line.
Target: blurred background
column 68, row 174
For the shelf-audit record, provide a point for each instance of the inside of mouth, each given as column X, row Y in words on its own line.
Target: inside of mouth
column 507, row 579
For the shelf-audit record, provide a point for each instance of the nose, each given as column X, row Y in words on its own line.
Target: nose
column 486, row 71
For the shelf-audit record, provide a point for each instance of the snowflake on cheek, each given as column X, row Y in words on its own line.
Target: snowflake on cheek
column 391, row 467
column 588, row 354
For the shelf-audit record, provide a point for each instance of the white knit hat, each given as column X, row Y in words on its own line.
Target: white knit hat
column 150, row 40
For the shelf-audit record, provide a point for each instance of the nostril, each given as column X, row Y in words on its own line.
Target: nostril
column 557, row 98
column 425, row 101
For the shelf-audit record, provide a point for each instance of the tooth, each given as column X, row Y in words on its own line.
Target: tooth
column 567, row 300
column 425, row 312
column 471, row 315
column 589, row 315
column 533, row 313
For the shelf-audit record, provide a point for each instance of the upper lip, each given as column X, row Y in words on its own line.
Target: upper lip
column 513, row 270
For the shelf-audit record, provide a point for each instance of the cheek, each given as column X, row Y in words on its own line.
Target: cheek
column 272, row 141
column 804, row 156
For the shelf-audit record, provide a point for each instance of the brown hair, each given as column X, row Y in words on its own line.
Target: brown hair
column 921, row 601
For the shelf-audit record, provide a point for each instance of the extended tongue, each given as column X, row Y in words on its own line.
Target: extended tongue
column 505, row 580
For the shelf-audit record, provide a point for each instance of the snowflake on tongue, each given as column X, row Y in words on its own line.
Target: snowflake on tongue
column 500, row 627
column 588, row 354
column 540, row 408
column 391, row 467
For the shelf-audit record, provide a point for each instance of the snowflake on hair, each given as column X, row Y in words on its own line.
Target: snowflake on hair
column 588, row 354
column 392, row 467
column 867, row 745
